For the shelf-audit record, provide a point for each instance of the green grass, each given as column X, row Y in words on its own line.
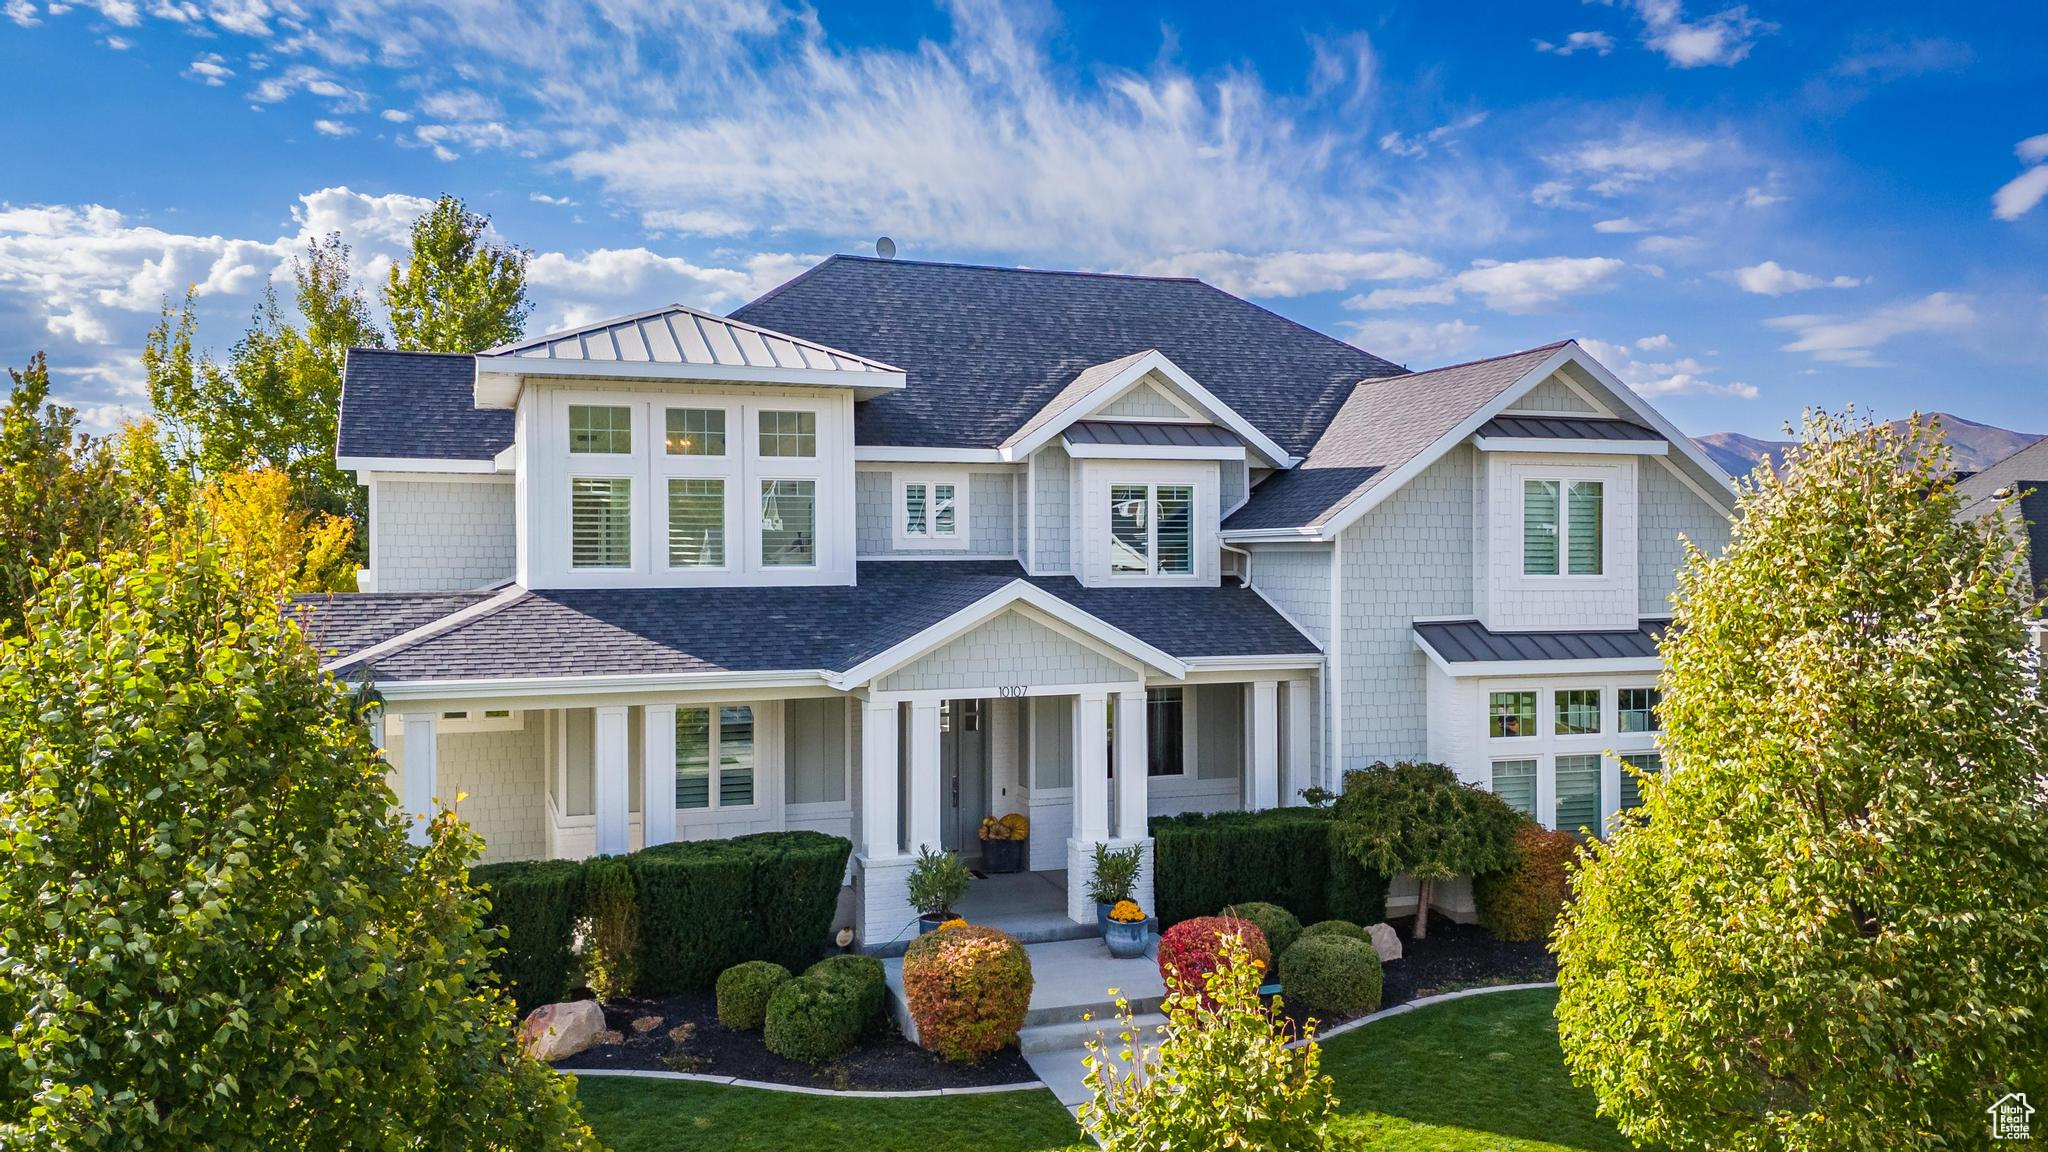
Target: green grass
column 1476, row 1075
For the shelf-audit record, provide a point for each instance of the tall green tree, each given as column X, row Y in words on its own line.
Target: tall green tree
column 1828, row 929
column 213, row 931
column 457, row 292
column 61, row 491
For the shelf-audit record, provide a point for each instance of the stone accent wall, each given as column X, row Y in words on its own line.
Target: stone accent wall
column 1007, row 650
column 505, row 782
column 1666, row 508
column 442, row 536
column 1050, row 528
column 1552, row 396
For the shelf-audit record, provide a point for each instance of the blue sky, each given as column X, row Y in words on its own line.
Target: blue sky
column 1742, row 210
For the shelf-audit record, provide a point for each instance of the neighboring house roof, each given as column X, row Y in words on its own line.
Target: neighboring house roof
column 416, row 406
column 987, row 349
column 342, row 622
column 1470, row 642
column 680, row 335
column 1565, row 428
column 2025, row 473
column 653, row 631
column 1385, row 424
column 1136, row 434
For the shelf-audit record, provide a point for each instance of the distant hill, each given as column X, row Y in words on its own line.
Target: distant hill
column 1976, row 446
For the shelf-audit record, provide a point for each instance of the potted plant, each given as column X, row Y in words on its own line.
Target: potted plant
column 1002, row 843
column 1115, row 878
column 937, row 882
column 1125, row 930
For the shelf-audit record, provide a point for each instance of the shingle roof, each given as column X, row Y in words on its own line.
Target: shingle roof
column 1470, row 642
column 343, row 622
column 417, row 405
column 1151, row 434
column 1384, row 424
column 591, row 632
column 1565, row 428
column 2025, row 472
column 987, row 348
column 679, row 334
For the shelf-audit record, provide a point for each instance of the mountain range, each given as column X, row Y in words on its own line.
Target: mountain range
column 1976, row 446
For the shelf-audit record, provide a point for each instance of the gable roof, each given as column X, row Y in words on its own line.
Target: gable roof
column 415, row 406
column 2025, row 472
column 986, row 348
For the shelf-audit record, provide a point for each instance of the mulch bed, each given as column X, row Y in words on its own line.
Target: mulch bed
column 1453, row 956
column 690, row 1039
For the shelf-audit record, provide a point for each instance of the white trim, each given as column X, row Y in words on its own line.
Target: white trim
column 412, row 464
column 429, row 630
column 1151, row 451
column 1109, row 390
column 1478, row 668
column 499, row 379
column 900, row 536
column 910, row 454
column 1333, row 678
column 1657, row 421
column 1272, row 663
column 515, row 686
column 1560, row 444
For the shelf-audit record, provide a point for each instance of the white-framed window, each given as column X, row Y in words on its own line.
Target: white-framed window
column 715, row 757
column 1510, row 715
column 601, row 522
column 1556, row 748
column 789, row 523
column 1151, row 529
column 789, row 433
column 696, row 522
column 1637, row 710
column 1165, row 732
column 931, row 509
column 694, row 432
column 600, row 429
column 1634, row 766
column 1563, row 525
column 1514, row 781
column 1578, row 792
column 1576, row 712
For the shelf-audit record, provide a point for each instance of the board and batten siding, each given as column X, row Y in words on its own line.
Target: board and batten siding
column 442, row 535
column 991, row 517
column 1667, row 509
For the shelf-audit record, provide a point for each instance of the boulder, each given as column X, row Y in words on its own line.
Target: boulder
column 1385, row 942
column 558, row 1031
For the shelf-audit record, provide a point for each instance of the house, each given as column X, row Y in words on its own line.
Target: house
column 2022, row 478
column 902, row 545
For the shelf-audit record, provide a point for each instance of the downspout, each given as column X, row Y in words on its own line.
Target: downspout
column 1244, row 580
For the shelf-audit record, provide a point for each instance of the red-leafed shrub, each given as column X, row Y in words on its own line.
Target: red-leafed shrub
column 1522, row 901
column 968, row 990
column 1192, row 949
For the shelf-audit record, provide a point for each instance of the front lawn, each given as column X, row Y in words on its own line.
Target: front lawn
column 1476, row 1075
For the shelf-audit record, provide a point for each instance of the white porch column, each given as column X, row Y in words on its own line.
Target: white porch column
column 1132, row 801
column 610, row 783
column 1265, row 792
column 418, row 776
column 658, row 774
column 1091, row 799
column 881, row 796
column 1300, row 738
column 924, row 775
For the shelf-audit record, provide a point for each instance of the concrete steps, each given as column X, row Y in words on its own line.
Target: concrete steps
column 1074, row 1035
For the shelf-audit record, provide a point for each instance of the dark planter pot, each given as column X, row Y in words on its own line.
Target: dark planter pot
column 1126, row 940
column 1003, row 855
column 930, row 921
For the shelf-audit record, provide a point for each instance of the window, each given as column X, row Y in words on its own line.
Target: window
column 715, row 765
column 1567, row 530
column 789, row 434
column 1578, row 712
column 1578, row 792
column 600, row 522
column 1510, row 714
column 1640, row 763
column 1514, row 781
column 600, row 429
column 1638, row 710
column 931, row 510
column 696, row 432
column 1152, row 529
column 696, row 523
column 789, row 510
column 1164, row 753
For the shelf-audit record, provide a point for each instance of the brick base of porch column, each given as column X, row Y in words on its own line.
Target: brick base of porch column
column 881, row 901
column 1081, row 866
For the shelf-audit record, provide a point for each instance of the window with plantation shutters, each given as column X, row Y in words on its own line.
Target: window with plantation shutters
column 916, row 510
column 1514, row 781
column 714, row 759
column 1582, row 549
column 1540, row 527
column 1152, row 529
column 696, row 523
column 789, row 523
column 1633, row 768
column 1578, row 792
column 1563, row 528
column 600, row 522
column 1175, row 504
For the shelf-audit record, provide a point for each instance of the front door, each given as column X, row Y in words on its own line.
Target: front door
column 963, row 775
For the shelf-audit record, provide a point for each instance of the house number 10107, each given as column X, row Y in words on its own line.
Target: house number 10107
column 1010, row 691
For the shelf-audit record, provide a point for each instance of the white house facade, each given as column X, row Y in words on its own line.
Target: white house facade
column 900, row 546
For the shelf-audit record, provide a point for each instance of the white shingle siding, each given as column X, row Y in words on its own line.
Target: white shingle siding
column 1050, row 531
column 991, row 503
column 1008, row 650
column 1143, row 402
column 441, row 536
column 1230, row 492
column 501, row 777
column 1515, row 602
column 1667, row 508
column 1552, row 396
column 1296, row 580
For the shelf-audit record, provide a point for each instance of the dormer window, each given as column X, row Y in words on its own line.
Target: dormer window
column 1152, row 529
column 1562, row 525
column 931, row 510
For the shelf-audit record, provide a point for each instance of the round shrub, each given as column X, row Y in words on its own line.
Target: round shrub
column 1280, row 926
column 968, row 990
column 1344, row 928
column 864, row 975
column 813, row 1019
column 1522, row 901
column 1192, row 949
column 1332, row 974
column 743, row 992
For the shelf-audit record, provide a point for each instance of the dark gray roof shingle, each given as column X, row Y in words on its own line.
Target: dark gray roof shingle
column 987, row 348
column 2025, row 472
column 1566, row 428
column 342, row 622
column 417, row 406
column 1470, row 642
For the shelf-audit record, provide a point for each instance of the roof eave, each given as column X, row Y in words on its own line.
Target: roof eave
column 500, row 378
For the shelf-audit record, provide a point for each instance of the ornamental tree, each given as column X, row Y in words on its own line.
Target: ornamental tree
column 213, row 932
column 1828, row 926
column 1421, row 819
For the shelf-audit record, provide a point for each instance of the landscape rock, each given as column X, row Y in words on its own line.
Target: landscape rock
column 609, row 1036
column 1385, row 942
column 558, row 1031
column 645, row 1024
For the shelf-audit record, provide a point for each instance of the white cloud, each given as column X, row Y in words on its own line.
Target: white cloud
column 2019, row 195
column 209, row 69
column 1724, row 38
column 395, row 115
column 1405, row 343
column 1758, row 198
column 2033, row 149
column 1598, row 43
column 1634, row 157
column 1381, row 298
column 1773, row 279
column 1622, row 224
column 307, row 80
column 22, row 13
column 1537, row 285
column 1683, row 376
column 556, row 201
column 1415, row 147
column 119, row 43
column 1656, row 343
column 610, row 281
column 332, row 128
column 1292, row 273
column 1854, row 340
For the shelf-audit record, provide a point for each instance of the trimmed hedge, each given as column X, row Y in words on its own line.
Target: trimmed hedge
column 744, row 991
column 1279, row 925
column 706, row 905
column 536, row 903
column 968, row 990
column 813, row 1019
column 1281, row 856
column 1344, row 928
column 1522, row 901
column 863, row 973
column 1333, row 974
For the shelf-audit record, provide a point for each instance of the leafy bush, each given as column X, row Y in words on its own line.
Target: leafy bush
column 1344, row 928
column 744, row 990
column 1221, row 1075
column 706, row 905
column 1522, row 901
column 1332, row 973
column 968, row 989
column 1202, row 862
column 863, row 973
column 1190, row 950
column 535, row 905
column 1114, row 875
column 1278, row 924
column 1422, row 820
column 813, row 1019
column 610, row 928
column 936, row 882
column 213, row 931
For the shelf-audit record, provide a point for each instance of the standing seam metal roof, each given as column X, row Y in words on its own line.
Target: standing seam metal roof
column 1470, row 642
column 679, row 334
column 1148, row 434
column 1566, row 428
